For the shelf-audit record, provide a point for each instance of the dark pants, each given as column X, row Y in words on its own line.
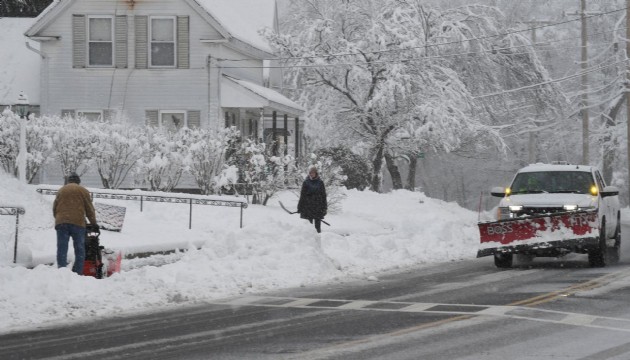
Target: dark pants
column 64, row 232
column 318, row 224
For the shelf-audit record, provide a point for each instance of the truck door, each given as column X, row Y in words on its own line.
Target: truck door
column 606, row 206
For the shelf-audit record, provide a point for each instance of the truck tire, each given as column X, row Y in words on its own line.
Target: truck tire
column 614, row 252
column 597, row 257
column 503, row 260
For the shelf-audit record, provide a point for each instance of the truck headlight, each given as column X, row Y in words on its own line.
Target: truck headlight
column 570, row 207
column 503, row 213
column 515, row 208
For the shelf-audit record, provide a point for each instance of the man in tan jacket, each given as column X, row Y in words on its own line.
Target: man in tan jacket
column 72, row 205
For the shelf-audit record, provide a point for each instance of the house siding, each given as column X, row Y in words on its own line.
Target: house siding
column 125, row 87
column 250, row 70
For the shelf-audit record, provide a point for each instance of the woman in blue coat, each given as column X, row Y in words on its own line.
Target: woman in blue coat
column 313, row 205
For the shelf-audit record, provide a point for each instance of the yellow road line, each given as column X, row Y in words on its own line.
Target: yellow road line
column 588, row 285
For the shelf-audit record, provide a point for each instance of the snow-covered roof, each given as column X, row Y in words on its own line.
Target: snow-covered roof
column 241, row 93
column 19, row 66
column 243, row 19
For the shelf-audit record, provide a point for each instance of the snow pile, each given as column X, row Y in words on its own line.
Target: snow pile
column 374, row 232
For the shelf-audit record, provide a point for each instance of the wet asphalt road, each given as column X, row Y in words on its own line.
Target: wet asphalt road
column 549, row 309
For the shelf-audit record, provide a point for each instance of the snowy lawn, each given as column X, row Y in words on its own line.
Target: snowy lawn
column 373, row 233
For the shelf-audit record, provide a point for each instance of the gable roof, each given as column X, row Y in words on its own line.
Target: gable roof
column 19, row 66
column 239, row 19
column 243, row 19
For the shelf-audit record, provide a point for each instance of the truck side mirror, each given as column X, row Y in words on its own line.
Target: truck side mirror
column 498, row 191
column 609, row 191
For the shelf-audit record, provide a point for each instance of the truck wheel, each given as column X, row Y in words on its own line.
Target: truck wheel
column 503, row 260
column 614, row 253
column 597, row 257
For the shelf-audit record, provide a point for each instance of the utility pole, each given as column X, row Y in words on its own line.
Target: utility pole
column 584, row 66
column 628, row 93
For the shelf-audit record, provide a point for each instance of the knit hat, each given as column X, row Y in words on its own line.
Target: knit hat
column 74, row 178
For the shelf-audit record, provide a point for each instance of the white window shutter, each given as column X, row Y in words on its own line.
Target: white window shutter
column 152, row 117
column 79, row 41
column 142, row 50
column 121, row 42
column 194, row 119
column 183, row 42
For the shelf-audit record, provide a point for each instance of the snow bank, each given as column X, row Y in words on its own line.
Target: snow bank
column 374, row 232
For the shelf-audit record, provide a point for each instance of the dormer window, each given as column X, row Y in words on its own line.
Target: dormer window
column 100, row 41
column 162, row 35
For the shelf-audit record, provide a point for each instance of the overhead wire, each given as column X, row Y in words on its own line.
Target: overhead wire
column 438, row 44
column 550, row 81
column 498, row 51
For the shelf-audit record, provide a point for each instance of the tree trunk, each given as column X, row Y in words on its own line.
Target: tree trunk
column 610, row 150
column 411, row 176
column 377, row 163
column 393, row 172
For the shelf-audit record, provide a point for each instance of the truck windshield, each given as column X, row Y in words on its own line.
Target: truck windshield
column 578, row 182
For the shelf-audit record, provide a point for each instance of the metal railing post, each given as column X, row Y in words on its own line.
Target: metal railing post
column 17, row 226
column 190, row 216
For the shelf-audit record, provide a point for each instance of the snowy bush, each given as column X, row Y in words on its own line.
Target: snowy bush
column 38, row 143
column 119, row 147
column 205, row 157
column 73, row 140
column 261, row 172
column 354, row 167
column 9, row 141
column 161, row 166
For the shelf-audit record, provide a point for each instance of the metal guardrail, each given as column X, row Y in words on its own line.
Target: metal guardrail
column 17, row 211
column 183, row 199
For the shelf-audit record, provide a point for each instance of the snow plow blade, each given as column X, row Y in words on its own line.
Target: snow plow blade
column 570, row 231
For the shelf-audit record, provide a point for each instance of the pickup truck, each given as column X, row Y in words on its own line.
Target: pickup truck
column 552, row 210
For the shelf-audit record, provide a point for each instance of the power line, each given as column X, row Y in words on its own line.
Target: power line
column 440, row 44
column 528, row 87
column 497, row 51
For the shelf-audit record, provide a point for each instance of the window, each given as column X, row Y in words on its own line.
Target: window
column 100, row 41
column 172, row 120
column 162, row 36
column 91, row 115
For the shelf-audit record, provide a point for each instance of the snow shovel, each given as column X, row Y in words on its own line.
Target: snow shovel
column 295, row 212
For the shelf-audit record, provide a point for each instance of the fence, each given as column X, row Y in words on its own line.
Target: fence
column 17, row 211
column 142, row 196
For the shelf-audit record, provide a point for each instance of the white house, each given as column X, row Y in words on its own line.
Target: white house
column 168, row 64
